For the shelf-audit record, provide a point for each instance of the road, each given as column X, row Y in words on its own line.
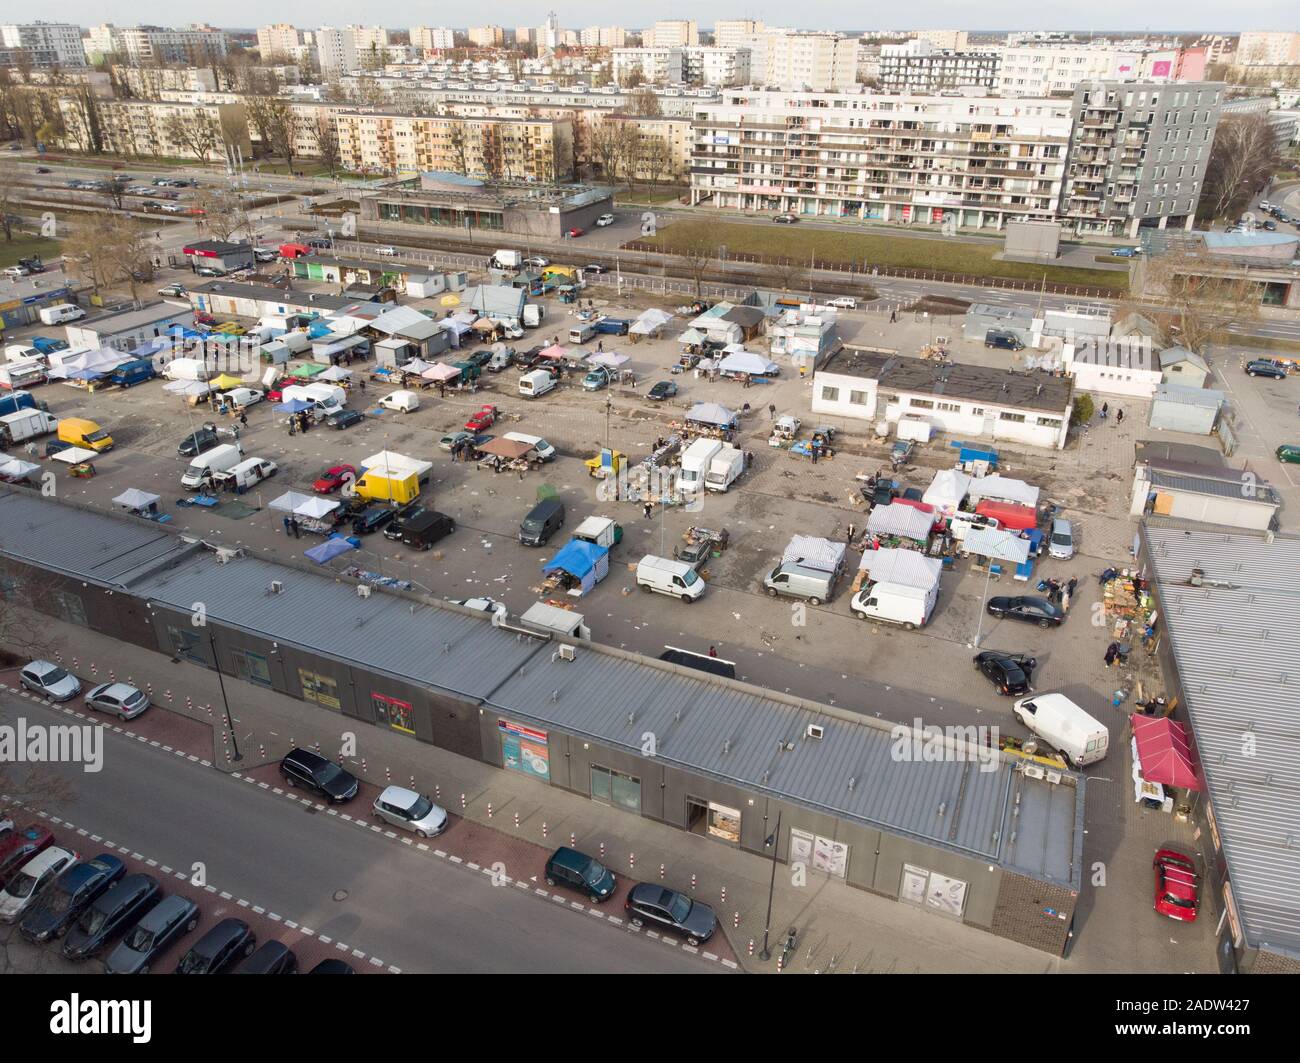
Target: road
column 419, row 913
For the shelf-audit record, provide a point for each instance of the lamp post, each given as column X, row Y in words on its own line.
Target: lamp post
column 230, row 724
column 772, row 839
column 609, row 406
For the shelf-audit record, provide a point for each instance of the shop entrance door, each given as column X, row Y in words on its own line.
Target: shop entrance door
column 697, row 815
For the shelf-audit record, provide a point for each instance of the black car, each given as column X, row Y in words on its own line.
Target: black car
column 332, row 967
column 1028, row 608
column 111, row 915
column 371, row 519
column 302, row 767
column 342, row 419
column 1263, row 367
column 423, row 531
column 1010, row 673
column 150, row 937
column 884, row 493
column 42, row 169
column 393, row 530
column 219, row 948
column 568, row 867
column 665, row 389
column 479, row 358
column 594, row 268
column 196, row 443
column 526, row 359
column 69, row 896
column 319, row 244
column 669, row 910
column 272, row 957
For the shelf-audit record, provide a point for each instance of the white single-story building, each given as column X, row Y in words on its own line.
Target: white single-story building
column 1113, row 367
column 125, row 330
column 1186, row 368
column 963, row 400
column 1185, row 409
column 1236, row 498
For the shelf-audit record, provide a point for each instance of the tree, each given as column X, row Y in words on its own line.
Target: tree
column 105, row 249
column 632, row 78
column 1243, row 160
column 697, row 255
column 607, row 140
column 644, row 102
column 656, row 158
column 1082, row 411
column 456, row 137
column 1196, row 296
column 197, row 131
column 8, row 202
column 281, row 130
column 223, row 212
column 114, row 191
column 327, row 142
column 787, row 273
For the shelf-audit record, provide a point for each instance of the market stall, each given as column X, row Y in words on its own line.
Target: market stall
column 710, row 419
column 608, row 359
column 506, row 454
column 811, row 551
column 336, row 374
column 576, row 568
column 947, row 491
column 138, row 503
column 331, row 548
column 649, row 325
column 16, row 471
column 897, row 525
column 1002, row 489
column 1164, row 757
column 441, row 373
column 746, row 365
column 192, row 391
column 908, row 568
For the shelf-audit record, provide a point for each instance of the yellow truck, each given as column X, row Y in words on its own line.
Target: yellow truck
column 397, row 486
column 568, row 273
column 79, row 432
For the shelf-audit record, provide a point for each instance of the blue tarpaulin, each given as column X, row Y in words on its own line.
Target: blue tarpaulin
column 586, row 562
column 329, row 549
column 293, row 406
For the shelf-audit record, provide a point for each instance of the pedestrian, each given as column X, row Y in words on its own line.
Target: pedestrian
column 1119, row 416
column 286, row 526
column 1105, row 409
column 362, row 383
column 1069, row 587
column 746, row 384
column 803, row 371
column 852, row 530
column 1112, row 653
column 648, row 508
column 893, row 316
column 771, row 411
column 815, row 448
column 600, row 345
column 297, row 528
column 713, row 651
column 749, row 459
column 243, row 417
column 293, row 426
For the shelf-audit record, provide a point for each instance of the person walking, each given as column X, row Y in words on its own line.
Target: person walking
column 771, row 411
column 243, row 417
column 362, row 383
column 293, row 426
column 1105, row 409
column 1112, row 654
column 852, row 530
column 286, row 527
column 893, row 317
column 1119, row 416
column 294, row 527
column 647, row 509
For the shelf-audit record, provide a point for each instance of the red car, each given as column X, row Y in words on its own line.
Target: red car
column 1177, row 886
column 575, row 232
column 485, row 418
column 19, row 846
column 333, row 479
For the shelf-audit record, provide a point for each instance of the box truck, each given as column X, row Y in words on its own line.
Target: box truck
column 599, row 531
column 79, row 432
column 895, row 603
column 387, row 485
column 204, row 469
column 696, row 461
column 664, row 576
column 725, row 468
column 1065, row 726
column 24, row 425
column 504, row 258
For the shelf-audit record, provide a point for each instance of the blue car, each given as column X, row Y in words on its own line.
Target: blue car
column 72, row 892
column 1126, row 252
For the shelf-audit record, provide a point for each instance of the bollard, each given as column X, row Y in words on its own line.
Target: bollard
column 388, row 773
column 735, row 923
column 489, row 810
column 602, row 850
column 363, row 765
column 724, row 894
column 692, row 883
column 631, row 861
column 780, row 963
column 462, row 802
column 437, row 793
column 93, row 669
column 516, row 821
column 573, row 839
column 661, row 872
column 261, row 751
column 543, row 828
column 751, row 946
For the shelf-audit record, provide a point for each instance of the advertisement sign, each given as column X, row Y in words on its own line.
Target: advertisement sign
column 821, row 854
column 524, row 750
column 1161, row 68
column 398, row 714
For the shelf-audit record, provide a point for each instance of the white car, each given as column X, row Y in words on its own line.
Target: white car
column 844, row 302
column 386, row 251
column 122, row 700
column 486, row 605
column 31, row 880
column 49, row 680
column 410, row 811
column 537, row 262
column 15, row 272
column 605, row 219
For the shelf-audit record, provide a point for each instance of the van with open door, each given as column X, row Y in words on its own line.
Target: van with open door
column 1065, row 726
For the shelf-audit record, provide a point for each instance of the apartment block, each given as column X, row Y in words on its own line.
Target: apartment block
column 1138, row 155
column 918, row 66
column 157, row 44
column 45, row 43
column 487, row 36
column 603, row 37
column 432, row 38
column 898, row 158
column 157, row 128
column 808, row 62
column 511, row 149
column 368, row 37
column 658, row 66
column 1056, row 70
column 944, row 40
column 676, row 134
column 733, row 32
column 150, row 82
column 280, row 39
column 671, row 33
column 716, row 66
column 336, row 50
column 1268, row 49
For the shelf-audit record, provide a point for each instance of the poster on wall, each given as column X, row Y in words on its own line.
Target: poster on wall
column 946, row 895
column 913, row 888
column 398, row 714
column 724, row 822
column 830, row 857
column 524, row 749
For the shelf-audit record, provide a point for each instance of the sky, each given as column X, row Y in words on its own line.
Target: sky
column 1099, row 15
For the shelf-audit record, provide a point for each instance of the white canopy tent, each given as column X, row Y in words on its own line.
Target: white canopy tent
column 612, row 359
column 898, row 519
column 441, row 371
column 134, row 498
column 650, row 322
column 74, row 455
column 997, row 544
column 743, row 361
column 16, row 469
column 711, row 413
column 290, row 501
column 316, row 508
column 418, row 365
column 947, row 491
column 910, row 568
column 811, row 551
column 335, row 374
column 1002, row 489
column 187, row 388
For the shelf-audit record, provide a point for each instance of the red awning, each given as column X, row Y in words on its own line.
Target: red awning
column 1166, row 752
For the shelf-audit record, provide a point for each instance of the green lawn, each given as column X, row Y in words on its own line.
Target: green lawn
column 24, row 245
column 650, row 197
column 825, row 246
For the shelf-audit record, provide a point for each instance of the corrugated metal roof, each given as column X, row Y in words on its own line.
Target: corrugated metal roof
column 1246, row 488
column 1185, row 396
column 1233, row 645
column 105, row 549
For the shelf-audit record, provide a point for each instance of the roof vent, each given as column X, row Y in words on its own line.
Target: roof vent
column 555, row 696
column 815, row 730
column 363, row 591
column 852, row 781
column 276, row 586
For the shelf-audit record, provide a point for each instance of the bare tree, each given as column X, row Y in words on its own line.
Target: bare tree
column 644, row 102
column 114, row 190
column 197, row 131
column 696, row 256
column 607, row 141
column 1243, row 159
column 459, row 147
column 656, row 158
column 1196, row 297
column 327, row 142
column 8, row 202
column 223, row 212
column 787, row 273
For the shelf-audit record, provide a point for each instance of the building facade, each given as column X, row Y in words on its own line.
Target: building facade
column 280, row 39
column 487, row 36
column 734, row 32
column 655, row 65
column 336, row 50
column 46, row 43
column 917, row 66
column 671, row 33
column 157, row 44
column 790, row 59
column 432, row 38
column 1268, row 49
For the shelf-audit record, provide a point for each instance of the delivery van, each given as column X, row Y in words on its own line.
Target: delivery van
column 60, row 313
column 247, row 474
column 533, row 314
column 422, row 531
column 796, row 581
column 204, row 469
column 543, row 521
column 582, row 333
column 543, row 449
column 401, row 401
column 894, row 603
column 536, row 383
column 79, row 432
column 132, row 373
column 1064, row 726
column 22, row 425
column 398, row 485
column 669, row 577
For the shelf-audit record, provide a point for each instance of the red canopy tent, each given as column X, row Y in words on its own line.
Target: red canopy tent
column 1166, row 752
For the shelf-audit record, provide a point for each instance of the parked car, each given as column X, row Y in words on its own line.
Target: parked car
column 594, row 268
column 1010, row 673
column 49, row 680
column 449, row 441
column 568, row 867
column 597, row 378
column 265, row 254
column 19, row 846
column 1263, row 367
column 537, row 261
column 121, row 699
column 271, row 957
column 219, row 948
column 1177, row 886
column 35, row 876
column 1125, row 252
column 170, row 919
column 72, row 892
column 177, row 290
column 302, row 767
column 844, row 302
column 333, row 478
column 371, row 519
column 387, row 251
column 110, row 916
column 667, row 909
column 411, row 811
column 786, row 219
column 208, row 271
column 483, row 419
column 605, row 219
column 1027, row 607
column 43, row 169
column 664, row 389
column 1288, row 453
column 332, row 966
column 199, row 441
column 341, row 419
column 1060, row 544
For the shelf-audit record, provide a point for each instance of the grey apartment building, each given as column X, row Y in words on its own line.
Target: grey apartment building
column 1138, row 154
column 943, row 71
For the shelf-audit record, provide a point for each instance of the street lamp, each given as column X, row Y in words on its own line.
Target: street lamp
column 771, row 840
column 609, row 405
column 230, row 724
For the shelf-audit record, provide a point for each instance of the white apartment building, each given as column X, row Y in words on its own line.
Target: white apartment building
column 432, row 38
column 813, row 62
column 659, row 66
column 487, row 36
column 671, row 33
column 280, row 39
column 896, row 158
column 733, row 32
column 1268, row 49
column 336, row 50
column 716, row 66
column 918, row 66
column 46, row 43
column 1055, row 69
column 367, row 37
column 944, row 40
column 603, row 37
column 156, row 44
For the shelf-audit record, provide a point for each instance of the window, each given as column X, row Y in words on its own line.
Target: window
column 185, row 644
column 252, row 667
column 319, row 688
column 948, row 407
column 611, row 787
column 69, row 607
column 858, row 398
column 830, row 394
column 920, row 404
column 1005, row 415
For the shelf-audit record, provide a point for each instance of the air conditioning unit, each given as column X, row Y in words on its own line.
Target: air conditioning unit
column 567, row 653
column 363, row 591
column 1033, row 771
column 1054, row 777
column 276, row 586
column 815, row 730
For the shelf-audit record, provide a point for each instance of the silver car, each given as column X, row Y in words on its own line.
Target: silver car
column 49, row 680
column 32, row 880
column 122, row 700
column 410, row 811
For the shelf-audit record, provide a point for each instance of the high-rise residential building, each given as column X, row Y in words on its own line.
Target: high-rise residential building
column 696, row 65
column 1268, row 49
column 487, row 36
column 733, row 32
column 1138, row 155
column 792, row 59
column 280, row 39
column 368, row 37
column 157, row 44
column 525, row 35
column 45, row 43
column 549, row 36
column 603, row 37
column 658, row 66
column 1056, row 69
column 918, row 66
column 431, row 38
column 949, row 40
column 671, row 33
column 336, row 50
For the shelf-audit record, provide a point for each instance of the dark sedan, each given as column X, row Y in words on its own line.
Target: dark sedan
column 111, row 915
column 272, row 957
column 72, row 892
column 667, row 909
column 1010, row 673
column 1263, row 367
column 371, row 520
column 219, row 948
column 665, row 389
column 342, row 419
column 1028, row 608
column 149, row 938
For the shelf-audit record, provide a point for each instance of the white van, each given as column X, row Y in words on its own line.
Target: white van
column 502, row 357
column 60, row 312
column 205, row 467
column 544, row 449
column 536, row 383
column 894, row 603
column 246, row 474
column 533, row 314
column 401, row 401
column 1063, row 725
column 240, row 398
column 669, row 577
column 582, row 333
